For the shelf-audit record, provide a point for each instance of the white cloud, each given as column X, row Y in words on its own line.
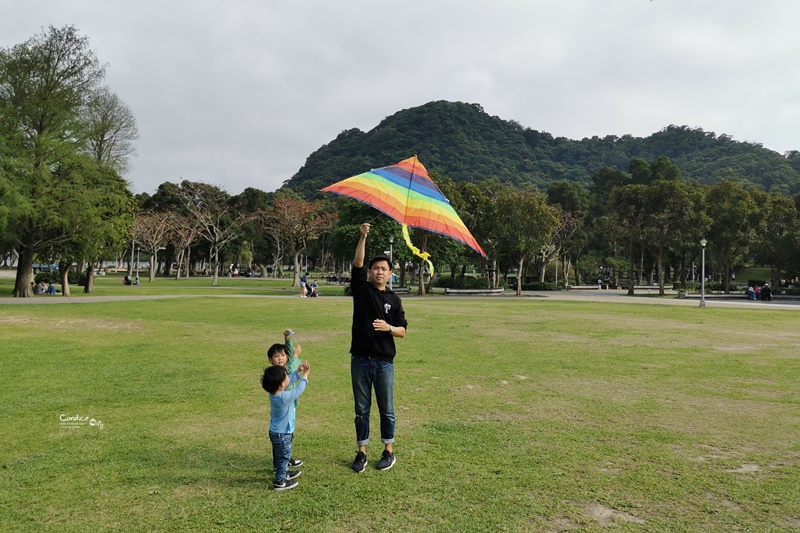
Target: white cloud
column 241, row 92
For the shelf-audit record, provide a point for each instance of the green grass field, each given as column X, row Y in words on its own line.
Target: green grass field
column 512, row 415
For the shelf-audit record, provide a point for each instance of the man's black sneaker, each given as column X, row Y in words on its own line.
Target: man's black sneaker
column 360, row 463
column 292, row 474
column 286, row 484
column 387, row 460
column 294, row 463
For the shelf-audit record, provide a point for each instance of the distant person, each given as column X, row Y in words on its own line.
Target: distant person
column 51, row 289
column 38, row 289
column 313, row 289
column 282, row 418
column 378, row 318
column 766, row 293
column 127, row 280
column 303, row 288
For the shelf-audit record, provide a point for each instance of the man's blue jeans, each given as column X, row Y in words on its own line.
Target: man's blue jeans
column 366, row 374
column 281, row 453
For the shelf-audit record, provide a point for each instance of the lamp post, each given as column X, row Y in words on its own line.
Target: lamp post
column 138, row 251
column 391, row 260
column 703, row 243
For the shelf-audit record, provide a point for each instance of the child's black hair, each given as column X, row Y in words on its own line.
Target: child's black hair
column 273, row 378
column 275, row 348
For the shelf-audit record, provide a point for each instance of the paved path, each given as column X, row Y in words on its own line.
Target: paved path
column 609, row 296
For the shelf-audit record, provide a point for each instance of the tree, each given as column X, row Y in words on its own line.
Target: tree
column 298, row 221
column 45, row 84
column 527, row 225
column 628, row 206
column 734, row 221
column 573, row 200
column 776, row 239
column 215, row 214
column 183, row 230
column 256, row 231
column 152, row 232
column 110, row 129
column 483, row 216
column 668, row 212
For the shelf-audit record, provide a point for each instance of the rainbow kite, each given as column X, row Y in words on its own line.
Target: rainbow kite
column 406, row 193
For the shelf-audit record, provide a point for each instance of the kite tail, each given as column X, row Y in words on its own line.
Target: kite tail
column 422, row 255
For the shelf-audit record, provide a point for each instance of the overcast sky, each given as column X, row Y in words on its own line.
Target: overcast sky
column 239, row 92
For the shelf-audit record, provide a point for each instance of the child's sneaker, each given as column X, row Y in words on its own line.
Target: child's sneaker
column 360, row 463
column 294, row 463
column 292, row 474
column 387, row 460
column 286, row 484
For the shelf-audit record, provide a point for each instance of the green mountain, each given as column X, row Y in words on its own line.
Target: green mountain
column 462, row 142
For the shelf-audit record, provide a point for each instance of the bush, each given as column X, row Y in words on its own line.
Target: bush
column 55, row 277
column 467, row 282
column 541, row 286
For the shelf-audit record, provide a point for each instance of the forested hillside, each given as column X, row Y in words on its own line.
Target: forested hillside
column 462, row 142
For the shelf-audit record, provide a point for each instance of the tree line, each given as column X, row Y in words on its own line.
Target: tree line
column 65, row 141
column 630, row 228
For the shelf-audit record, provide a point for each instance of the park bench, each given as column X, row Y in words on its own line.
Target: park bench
column 586, row 287
column 472, row 292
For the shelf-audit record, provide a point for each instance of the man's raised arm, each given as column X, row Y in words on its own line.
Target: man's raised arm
column 361, row 247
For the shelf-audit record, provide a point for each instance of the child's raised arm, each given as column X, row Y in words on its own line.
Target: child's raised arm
column 304, row 369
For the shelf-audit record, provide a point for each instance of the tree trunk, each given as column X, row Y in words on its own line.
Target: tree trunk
column 520, row 273
column 24, row 279
column 63, row 269
column 421, row 289
column 214, row 266
column 180, row 264
column 130, row 263
column 296, row 280
column 542, row 269
column 169, row 254
column 89, row 287
column 631, row 273
column 660, row 268
column 152, row 267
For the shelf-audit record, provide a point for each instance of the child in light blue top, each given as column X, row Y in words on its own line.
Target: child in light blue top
column 282, row 417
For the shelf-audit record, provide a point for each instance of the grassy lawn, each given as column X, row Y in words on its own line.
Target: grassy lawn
column 515, row 415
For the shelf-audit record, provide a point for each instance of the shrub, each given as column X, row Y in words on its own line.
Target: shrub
column 55, row 277
column 540, row 286
column 466, row 282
